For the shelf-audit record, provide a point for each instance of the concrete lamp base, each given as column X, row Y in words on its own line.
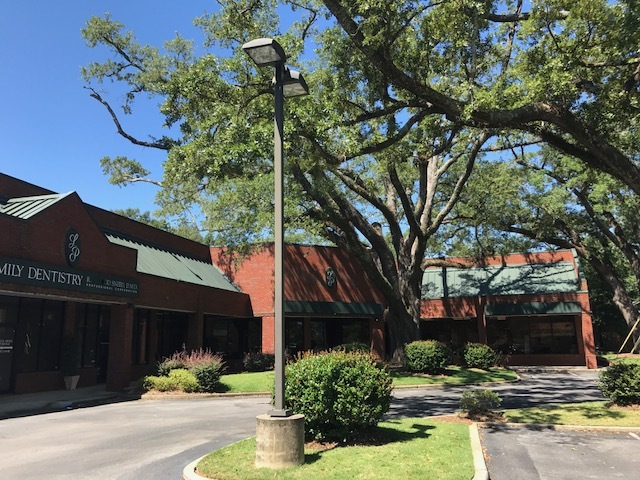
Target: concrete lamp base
column 279, row 441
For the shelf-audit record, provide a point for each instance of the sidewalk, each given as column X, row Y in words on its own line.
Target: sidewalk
column 59, row 400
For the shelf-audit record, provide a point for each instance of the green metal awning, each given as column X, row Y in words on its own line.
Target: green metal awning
column 300, row 307
column 27, row 207
column 532, row 308
column 166, row 264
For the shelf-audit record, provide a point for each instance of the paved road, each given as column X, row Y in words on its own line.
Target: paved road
column 544, row 454
column 534, row 389
column 155, row 439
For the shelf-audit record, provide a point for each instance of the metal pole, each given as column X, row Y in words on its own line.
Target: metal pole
column 278, row 162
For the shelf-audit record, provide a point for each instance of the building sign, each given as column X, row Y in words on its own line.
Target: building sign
column 330, row 277
column 24, row 272
column 72, row 246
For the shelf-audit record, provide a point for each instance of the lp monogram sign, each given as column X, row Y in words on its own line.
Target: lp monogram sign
column 72, row 246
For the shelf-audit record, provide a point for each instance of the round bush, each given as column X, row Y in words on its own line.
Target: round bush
column 479, row 355
column 427, row 356
column 178, row 379
column 479, row 402
column 258, row 362
column 208, row 375
column 339, row 393
column 620, row 382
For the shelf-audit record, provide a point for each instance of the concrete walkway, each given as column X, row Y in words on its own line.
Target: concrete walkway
column 59, row 400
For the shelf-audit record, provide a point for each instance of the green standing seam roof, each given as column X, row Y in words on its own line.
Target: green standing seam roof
column 26, row 207
column 524, row 279
column 165, row 264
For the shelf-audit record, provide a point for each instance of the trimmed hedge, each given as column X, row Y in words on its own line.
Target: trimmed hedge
column 427, row 356
column 340, row 393
column 620, row 382
column 479, row 355
column 177, row 380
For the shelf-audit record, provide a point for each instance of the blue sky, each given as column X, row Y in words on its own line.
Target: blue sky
column 52, row 133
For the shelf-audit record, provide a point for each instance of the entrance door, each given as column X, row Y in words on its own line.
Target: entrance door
column 7, row 334
column 8, row 321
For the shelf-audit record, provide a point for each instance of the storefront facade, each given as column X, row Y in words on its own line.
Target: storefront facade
column 328, row 299
column 534, row 309
column 113, row 294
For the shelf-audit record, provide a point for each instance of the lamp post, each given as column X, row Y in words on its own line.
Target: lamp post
column 266, row 52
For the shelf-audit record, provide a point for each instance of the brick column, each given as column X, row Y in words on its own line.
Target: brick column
column 120, row 333
column 195, row 331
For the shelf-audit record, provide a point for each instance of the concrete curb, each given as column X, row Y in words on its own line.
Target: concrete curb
column 189, row 472
column 479, row 465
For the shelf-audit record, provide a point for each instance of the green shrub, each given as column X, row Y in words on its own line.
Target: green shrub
column 479, row 402
column 258, row 362
column 479, row 355
column 205, row 367
column 168, row 364
column 177, row 380
column 339, row 393
column 208, row 375
column 620, row 382
column 427, row 356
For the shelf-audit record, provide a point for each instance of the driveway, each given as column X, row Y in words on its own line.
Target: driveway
column 142, row 440
column 155, row 439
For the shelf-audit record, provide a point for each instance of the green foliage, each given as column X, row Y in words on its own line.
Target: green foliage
column 620, row 382
column 427, row 356
column 177, row 380
column 479, row 402
column 479, row 355
column 339, row 393
column 168, row 364
column 400, row 92
column 205, row 367
column 258, row 362
column 207, row 375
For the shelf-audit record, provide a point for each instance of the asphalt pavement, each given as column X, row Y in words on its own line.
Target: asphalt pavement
column 123, row 437
column 545, row 453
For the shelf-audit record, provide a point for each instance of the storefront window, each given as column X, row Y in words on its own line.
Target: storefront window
column 329, row 333
column 93, row 322
column 38, row 334
column 518, row 335
column 172, row 332
column 294, row 335
column 232, row 337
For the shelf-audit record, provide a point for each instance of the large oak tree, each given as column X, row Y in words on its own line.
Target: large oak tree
column 405, row 95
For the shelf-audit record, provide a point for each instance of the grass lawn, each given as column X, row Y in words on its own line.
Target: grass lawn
column 454, row 376
column 413, row 448
column 589, row 414
column 251, row 382
column 613, row 357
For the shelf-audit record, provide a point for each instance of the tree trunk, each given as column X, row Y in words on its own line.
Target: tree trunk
column 403, row 329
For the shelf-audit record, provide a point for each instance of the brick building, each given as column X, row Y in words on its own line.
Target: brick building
column 120, row 295
column 115, row 293
column 532, row 308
